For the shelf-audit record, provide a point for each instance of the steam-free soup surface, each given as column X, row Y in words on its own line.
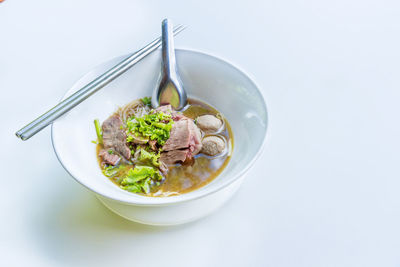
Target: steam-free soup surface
column 178, row 178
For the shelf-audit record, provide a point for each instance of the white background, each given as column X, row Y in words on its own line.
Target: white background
column 325, row 192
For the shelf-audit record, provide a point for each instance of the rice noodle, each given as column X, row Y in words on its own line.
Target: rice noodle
column 136, row 108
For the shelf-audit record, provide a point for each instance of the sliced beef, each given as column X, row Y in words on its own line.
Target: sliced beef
column 184, row 141
column 179, row 136
column 166, row 109
column 108, row 158
column 195, row 138
column 114, row 136
column 179, row 116
column 174, row 156
column 184, row 134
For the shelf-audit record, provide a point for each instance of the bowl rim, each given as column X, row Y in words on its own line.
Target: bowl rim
column 180, row 198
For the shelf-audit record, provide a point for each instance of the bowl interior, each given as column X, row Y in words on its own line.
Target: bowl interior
column 205, row 77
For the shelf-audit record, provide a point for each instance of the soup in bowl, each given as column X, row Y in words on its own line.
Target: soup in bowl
column 160, row 152
column 189, row 187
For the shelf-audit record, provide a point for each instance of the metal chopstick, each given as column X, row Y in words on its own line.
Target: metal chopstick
column 67, row 104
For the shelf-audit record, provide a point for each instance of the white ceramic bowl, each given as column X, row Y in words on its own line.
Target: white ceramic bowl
column 204, row 77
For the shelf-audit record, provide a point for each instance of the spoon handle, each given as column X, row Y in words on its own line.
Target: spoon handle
column 168, row 49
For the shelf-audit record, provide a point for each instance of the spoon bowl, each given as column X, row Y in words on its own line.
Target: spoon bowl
column 170, row 89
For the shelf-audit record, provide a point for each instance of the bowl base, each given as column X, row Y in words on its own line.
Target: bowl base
column 172, row 214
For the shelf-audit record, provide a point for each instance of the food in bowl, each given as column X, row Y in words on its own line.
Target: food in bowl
column 162, row 152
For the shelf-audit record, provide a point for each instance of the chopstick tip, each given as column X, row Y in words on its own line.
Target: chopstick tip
column 179, row 28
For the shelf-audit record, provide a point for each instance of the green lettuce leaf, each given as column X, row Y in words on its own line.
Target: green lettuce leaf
column 140, row 179
column 112, row 171
column 149, row 158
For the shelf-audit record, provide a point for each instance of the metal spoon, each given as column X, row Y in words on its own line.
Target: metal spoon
column 170, row 89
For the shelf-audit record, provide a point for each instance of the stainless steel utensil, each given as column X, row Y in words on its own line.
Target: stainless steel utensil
column 64, row 106
column 169, row 89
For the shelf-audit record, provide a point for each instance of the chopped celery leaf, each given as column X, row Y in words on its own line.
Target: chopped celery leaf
column 146, row 101
column 155, row 126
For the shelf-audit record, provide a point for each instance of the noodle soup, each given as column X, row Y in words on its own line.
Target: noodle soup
column 162, row 152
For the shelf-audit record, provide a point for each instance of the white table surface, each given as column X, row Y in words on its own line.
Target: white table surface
column 325, row 192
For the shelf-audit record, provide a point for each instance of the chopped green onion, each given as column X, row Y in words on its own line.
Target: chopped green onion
column 98, row 131
column 155, row 126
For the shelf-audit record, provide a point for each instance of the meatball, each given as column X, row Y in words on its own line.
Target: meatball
column 213, row 145
column 208, row 123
